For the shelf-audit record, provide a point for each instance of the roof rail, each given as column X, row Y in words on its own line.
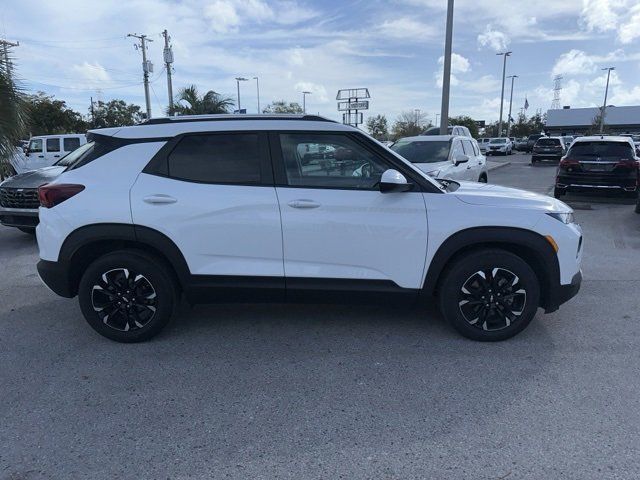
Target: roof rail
column 234, row 117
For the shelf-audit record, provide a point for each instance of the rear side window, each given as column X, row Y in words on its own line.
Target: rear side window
column 53, row 144
column 219, row 158
column 70, row 144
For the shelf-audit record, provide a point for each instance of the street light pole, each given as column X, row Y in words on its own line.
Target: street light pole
column 606, row 92
column 304, row 101
column 512, row 77
column 238, row 80
column 446, row 73
column 504, row 69
column 258, row 90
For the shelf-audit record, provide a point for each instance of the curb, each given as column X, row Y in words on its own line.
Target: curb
column 496, row 165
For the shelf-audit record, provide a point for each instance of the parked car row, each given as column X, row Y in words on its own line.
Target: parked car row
column 496, row 146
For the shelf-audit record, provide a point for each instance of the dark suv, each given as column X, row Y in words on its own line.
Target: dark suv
column 531, row 141
column 548, row 148
column 599, row 163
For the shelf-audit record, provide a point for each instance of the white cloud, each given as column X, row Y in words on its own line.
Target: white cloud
column 630, row 30
column 600, row 15
column 494, row 39
column 459, row 65
column 91, row 75
column 406, row 28
column 318, row 92
column 574, row 62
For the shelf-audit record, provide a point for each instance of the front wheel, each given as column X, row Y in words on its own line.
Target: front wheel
column 489, row 295
column 637, row 210
column 558, row 192
column 127, row 296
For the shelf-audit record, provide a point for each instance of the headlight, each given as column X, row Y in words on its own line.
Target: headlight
column 566, row 217
column 433, row 173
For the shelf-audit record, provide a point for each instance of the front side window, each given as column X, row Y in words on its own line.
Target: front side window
column 423, row 152
column 457, row 150
column 329, row 161
column 476, row 150
column 53, row 144
column 70, row 144
column 217, row 158
column 468, row 148
column 35, row 145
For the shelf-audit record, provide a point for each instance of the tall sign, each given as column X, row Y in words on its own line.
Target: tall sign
column 350, row 102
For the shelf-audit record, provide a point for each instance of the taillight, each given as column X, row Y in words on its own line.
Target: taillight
column 626, row 163
column 51, row 195
column 569, row 162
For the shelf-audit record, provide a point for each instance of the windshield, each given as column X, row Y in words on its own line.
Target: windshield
column 498, row 140
column 423, row 152
column 608, row 150
column 71, row 157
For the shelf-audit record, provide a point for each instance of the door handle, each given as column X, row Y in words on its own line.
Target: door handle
column 40, row 156
column 57, row 156
column 159, row 199
column 303, row 204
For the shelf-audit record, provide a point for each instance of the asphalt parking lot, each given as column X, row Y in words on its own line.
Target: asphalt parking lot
column 291, row 391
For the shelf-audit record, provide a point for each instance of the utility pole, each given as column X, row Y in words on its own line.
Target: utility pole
column 258, row 90
column 504, row 69
column 304, row 101
column 168, row 60
column 93, row 116
column 606, row 92
column 512, row 77
column 238, row 80
column 147, row 67
column 5, row 49
column 446, row 74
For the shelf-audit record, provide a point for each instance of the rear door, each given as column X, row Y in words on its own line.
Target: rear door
column 336, row 224
column 212, row 194
column 53, row 150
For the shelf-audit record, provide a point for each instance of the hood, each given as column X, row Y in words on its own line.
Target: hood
column 33, row 178
column 430, row 167
column 493, row 195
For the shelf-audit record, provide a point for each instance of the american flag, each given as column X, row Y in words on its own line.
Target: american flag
column 526, row 103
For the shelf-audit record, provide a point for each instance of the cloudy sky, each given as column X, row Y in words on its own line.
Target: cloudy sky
column 75, row 49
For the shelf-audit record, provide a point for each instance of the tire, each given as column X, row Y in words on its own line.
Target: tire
column 637, row 209
column 131, row 318
column 490, row 325
column 28, row 230
column 557, row 192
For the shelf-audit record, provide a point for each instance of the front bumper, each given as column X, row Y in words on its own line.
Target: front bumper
column 564, row 293
column 19, row 217
column 55, row 277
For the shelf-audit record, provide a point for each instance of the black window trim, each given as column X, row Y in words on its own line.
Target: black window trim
column 159, row 163
column 280, row 174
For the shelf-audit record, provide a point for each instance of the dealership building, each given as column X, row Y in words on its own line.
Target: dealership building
column 576, row 121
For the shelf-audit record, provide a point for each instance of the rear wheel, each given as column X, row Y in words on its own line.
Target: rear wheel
column 489, row 295
column 127, row 296
column 638, row 204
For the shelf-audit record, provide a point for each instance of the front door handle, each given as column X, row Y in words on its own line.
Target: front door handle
column 159, row 198
column 303, row 203
column 57, row 156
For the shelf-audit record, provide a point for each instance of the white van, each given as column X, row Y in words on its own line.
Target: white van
column 45, row 150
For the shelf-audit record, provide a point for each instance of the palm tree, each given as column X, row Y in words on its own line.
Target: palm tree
column 210, row 102
column 13, row 116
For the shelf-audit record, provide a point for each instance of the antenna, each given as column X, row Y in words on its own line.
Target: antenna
column 557, row 88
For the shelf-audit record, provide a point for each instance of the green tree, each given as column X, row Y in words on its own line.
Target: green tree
column 378, row 127
column 280, row 106
column 209, row 103
column 465, row 121
column 537, row 122
column 409, row 124
column 521, row 128
column 13, row 117
column 50, row 116
column 115, row 113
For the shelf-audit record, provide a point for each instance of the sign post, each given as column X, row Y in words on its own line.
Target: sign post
column 351, row 101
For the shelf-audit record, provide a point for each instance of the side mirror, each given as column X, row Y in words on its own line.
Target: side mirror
column 461, row 158
column 393, row 181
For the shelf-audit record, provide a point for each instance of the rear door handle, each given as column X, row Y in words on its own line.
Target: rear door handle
column 57, row 156
column 159, row 199
column 303, row 203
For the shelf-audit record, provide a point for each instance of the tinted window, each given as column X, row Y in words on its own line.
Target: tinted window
column 227, row 158
column 422, row 152
column 77, row 154
column 35, row 145
column 329, row 161
column 70, row 144
column 548, row 142
column 53, row 144
column 608, row 150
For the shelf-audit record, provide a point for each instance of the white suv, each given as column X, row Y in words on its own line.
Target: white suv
column 226, row 208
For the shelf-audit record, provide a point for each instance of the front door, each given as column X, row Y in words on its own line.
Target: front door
column 336, row 224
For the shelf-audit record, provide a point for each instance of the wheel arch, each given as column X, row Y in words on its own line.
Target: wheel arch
column 89, row 242
column 530, row 246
